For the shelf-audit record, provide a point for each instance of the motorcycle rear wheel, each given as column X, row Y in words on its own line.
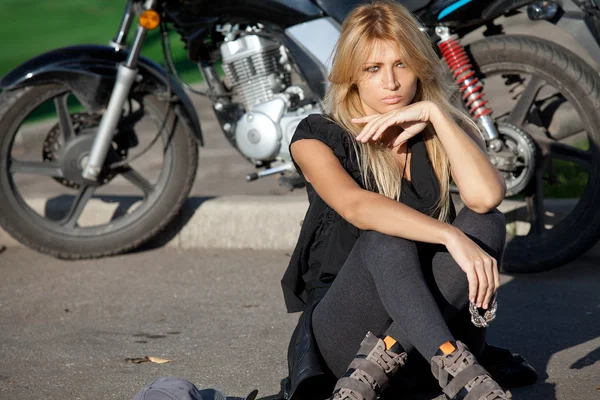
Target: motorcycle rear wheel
column 137, row 218
column 549, row 242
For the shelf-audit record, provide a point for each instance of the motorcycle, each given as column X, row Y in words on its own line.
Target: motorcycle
column 275, row 57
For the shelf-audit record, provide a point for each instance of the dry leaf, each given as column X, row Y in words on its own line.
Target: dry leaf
column 137, row 360
column 157, row 360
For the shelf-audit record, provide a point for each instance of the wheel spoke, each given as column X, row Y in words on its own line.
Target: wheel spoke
column 535, row 206
column 138, row 180
column 64, row 118
column 51, row 169
column 84, row 195
column 521, row 109
column 572, row 154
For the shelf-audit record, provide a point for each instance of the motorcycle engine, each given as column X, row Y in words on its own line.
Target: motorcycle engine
column 259, row 72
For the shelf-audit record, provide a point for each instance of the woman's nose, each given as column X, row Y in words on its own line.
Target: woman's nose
column 389, row 81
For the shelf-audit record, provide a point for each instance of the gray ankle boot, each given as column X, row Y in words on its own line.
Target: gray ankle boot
column 460, row 376
column 369, row 372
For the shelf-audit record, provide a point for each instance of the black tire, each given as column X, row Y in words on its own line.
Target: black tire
column 580, row 85
column 35, row 232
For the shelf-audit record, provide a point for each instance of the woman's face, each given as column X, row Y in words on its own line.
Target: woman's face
column 385, row 84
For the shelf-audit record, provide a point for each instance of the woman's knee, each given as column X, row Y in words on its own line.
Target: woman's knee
column 496, row 218
column 378, row 248
column 372, row 241
column 493, row 218
column 487, row 230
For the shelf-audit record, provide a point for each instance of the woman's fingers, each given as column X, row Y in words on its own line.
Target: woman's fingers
column 491, row 289
column 368, row 121
column 366, row 133
column 483, row 285
column 401, row 138
column 365, row 119
column 496, row 274
column 383, row 124
column 480, row 268
column 377, row 124
column 473, row 284
column 376, row 127
column 369, row 130
column 495, row 277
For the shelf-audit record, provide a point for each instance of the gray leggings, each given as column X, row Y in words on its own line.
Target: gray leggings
column 407, row 290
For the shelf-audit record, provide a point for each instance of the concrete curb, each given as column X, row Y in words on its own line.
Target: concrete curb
column 249, row 222
column 241, row 222
column 231, row 222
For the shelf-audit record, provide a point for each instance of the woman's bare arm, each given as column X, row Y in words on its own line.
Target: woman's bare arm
column 480, row 184
column 364, row 209
column 372, row 211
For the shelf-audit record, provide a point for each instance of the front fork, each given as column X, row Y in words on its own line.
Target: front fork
column 126, row 74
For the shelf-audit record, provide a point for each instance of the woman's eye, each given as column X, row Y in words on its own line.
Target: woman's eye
column 375, row 68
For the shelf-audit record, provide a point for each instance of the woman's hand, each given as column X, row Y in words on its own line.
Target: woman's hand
column 480, row 267
column 412, row 119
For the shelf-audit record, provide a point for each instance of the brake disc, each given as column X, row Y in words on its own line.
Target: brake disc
column 83, row 124
column 517, row 159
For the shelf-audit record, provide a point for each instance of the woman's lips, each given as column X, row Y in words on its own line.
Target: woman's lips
column 392, row 99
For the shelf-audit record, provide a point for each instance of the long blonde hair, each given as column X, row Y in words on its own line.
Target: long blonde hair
column 389, row 21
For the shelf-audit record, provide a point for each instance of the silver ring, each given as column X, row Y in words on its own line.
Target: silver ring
column 483, row 321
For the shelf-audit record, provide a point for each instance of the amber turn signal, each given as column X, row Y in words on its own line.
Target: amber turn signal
column 149, row 19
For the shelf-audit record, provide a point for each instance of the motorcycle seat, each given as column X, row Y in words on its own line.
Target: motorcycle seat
column 338, row 9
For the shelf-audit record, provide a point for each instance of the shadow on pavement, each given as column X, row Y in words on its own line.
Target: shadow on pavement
column 58, row 207
column 543, row 314
column 590, row 359
column 174, row 227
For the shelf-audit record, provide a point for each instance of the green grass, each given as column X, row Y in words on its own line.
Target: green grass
column 30, row 28
column 572, row 178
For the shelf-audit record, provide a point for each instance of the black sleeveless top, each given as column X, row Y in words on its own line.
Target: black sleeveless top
column 326, row 239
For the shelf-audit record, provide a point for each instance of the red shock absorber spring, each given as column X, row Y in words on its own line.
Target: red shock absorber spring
column 462, row 71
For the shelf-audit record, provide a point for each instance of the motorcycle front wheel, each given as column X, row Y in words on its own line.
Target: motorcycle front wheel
column 45, row 138
column 546, row 105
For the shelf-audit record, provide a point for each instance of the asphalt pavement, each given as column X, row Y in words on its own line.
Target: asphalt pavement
column 68, row 328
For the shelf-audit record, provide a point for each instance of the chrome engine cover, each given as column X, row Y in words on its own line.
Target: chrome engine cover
column 256, row 68
column 265, row 132
column 257, row 133
column 288, row 124
column 259, row 72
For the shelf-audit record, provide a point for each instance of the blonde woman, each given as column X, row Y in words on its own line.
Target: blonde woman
column 381, row 221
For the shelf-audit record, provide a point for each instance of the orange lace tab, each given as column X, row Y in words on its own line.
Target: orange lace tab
column 447, row 348
column 389, row 342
